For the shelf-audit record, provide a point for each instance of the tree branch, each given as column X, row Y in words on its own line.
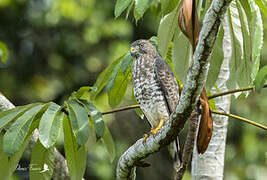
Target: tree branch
column 60, row 169
column 240, row 118
column 194, row 84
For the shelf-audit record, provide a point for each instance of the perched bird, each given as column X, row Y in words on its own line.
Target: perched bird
column 154, row 84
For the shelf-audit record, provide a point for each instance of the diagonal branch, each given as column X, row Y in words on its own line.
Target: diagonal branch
column 60, row 168
column 194, row 84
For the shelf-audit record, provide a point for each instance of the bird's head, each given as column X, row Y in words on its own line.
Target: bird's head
column 141, row 47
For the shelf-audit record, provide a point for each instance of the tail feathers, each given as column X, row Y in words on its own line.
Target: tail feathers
column 177, row 154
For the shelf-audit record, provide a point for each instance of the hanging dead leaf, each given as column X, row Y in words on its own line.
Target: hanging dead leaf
column 206, row 124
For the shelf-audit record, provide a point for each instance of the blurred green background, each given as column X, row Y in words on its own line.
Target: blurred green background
column 57, row 46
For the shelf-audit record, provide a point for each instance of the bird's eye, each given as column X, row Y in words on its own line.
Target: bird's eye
column 141, row 45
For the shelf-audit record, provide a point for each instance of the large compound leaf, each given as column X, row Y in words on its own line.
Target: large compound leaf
column 181, row 55
column 109, row 144
column 167, row 27
column 79, row 121
column 104, row 77
column 10, row 115
column 246, row 39
column 42, row 162
column 97, row 118
column 19, row 129
column 9, row 164
column 120, row 6
column 75, row 155
column 216, row 60
column 50, row 125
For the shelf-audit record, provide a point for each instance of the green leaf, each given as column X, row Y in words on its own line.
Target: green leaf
column 140, row 8
column 12, row 114
column 211, row 101
column 97, row 118
column 119, row 80
column 84, row 92
column 9, row 164
column 216, row 60
column 79, row 121
column 168, row 5
column 42, row 162
column 236, row 43
column 129, row 9
column 19, row 130
column 262, row 4
column 50, row 125
column 75, row 155
column 119, row 87
column 104, row 77
column 126, row 62
column 260, row 79
column 256, row 31
column 120, row 6
column 109, row 144
column 3, row 53
column 167, row 27
column 182, row 55
column 246, row 31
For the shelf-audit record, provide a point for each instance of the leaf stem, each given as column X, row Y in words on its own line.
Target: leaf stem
column 240, row 118
column 234, row 91
column 121, row 109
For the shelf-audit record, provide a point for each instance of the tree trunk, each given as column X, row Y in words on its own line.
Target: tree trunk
column 210, row 165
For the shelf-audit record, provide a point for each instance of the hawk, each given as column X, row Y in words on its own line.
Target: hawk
column 154, row 84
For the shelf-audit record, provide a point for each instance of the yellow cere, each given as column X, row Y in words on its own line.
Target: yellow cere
column 132, row 49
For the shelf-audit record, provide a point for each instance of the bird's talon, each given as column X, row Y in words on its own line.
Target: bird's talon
column 145, row 137
column 155, row 130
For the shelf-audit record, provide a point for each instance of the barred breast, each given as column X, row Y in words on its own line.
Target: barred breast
column 148, row 92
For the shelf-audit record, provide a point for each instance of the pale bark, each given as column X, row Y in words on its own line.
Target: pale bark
column 210, row 165
column 195, row 81
column 60, row 168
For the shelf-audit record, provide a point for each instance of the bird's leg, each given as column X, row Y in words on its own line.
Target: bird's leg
column 155, row 130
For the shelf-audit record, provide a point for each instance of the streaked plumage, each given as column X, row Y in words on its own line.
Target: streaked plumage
column 155, row 87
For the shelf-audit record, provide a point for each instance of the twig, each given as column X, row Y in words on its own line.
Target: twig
column 121, row 109
column 234, row 91
column 240, row 118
